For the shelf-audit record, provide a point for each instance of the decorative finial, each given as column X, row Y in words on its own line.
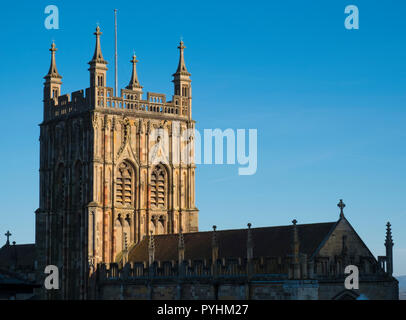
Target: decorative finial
column 98, row 32
column 294, row 221
column 182, row 70
column 181, row 45
column 125, row 241
column 53, row 71
column 134, row 83
column 214, row 237
column 250, row 243
column 181, row 239
column 151, row 249
column 8, row 234
column 53, row 47
column 388, row 240
column 97, row 56
column 151, row 240
column 341, row 205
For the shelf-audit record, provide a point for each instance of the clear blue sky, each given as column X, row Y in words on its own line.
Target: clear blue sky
column 328, row 103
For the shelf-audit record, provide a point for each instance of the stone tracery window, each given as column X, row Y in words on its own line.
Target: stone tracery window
column 158, row 187
column 125, row 184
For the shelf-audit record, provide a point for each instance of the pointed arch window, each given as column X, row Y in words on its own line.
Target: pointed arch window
column 125, row 184
column 158, row 187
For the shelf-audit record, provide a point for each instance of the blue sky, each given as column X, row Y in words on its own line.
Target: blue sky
column 328, row 103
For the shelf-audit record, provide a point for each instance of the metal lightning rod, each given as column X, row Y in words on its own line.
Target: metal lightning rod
column 115, row 54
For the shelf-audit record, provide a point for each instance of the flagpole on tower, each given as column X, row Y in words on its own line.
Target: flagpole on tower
column 115, row 54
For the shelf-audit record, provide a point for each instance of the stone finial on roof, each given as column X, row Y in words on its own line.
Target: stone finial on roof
column 388, row 239
column 214, row 246
column 151, row 248
column 250, row 243
column 8, row 234
column 182, row 70
column 181, row 243
column 98, row 55
column 53, row 71
column 181, row 246
column 296, row 242
column 389, row 249
column 214, row 237
column 295, row 247
column 341, row 205
column 134, row 83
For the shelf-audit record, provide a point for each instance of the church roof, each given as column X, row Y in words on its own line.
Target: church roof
column 21, row 255
column 268, row 242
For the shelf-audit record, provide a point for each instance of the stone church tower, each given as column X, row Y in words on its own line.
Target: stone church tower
column 113, row 169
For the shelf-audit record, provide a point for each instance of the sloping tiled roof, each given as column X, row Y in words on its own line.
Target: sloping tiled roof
column 22, row 255
column 268, row 242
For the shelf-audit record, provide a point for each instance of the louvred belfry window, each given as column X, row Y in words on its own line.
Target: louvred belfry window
column 124, row 184
column 158, row 187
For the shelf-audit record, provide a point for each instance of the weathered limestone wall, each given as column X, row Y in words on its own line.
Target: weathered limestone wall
column 264, row 290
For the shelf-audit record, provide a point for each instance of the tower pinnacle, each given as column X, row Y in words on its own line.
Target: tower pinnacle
column 52, row 85
column 98, row 56
column 134, row 83
column 181, row 66
column 97, row 66
column 388, row 239
column 389, row 249
column 53, row 71
column 181, row 79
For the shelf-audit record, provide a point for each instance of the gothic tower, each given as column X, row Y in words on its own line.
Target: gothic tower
column 113, row 169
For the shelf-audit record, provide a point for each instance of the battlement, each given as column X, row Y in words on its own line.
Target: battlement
column 128, row 102
column 100, row 97
column 263, row 267
column 200, row 279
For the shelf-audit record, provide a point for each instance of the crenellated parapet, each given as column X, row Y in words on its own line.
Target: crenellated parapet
column 262, row 268
column 100, row 97
column 128, row 103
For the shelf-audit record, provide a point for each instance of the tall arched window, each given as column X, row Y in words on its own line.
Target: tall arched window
column 158, row 187
column 125, row 184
